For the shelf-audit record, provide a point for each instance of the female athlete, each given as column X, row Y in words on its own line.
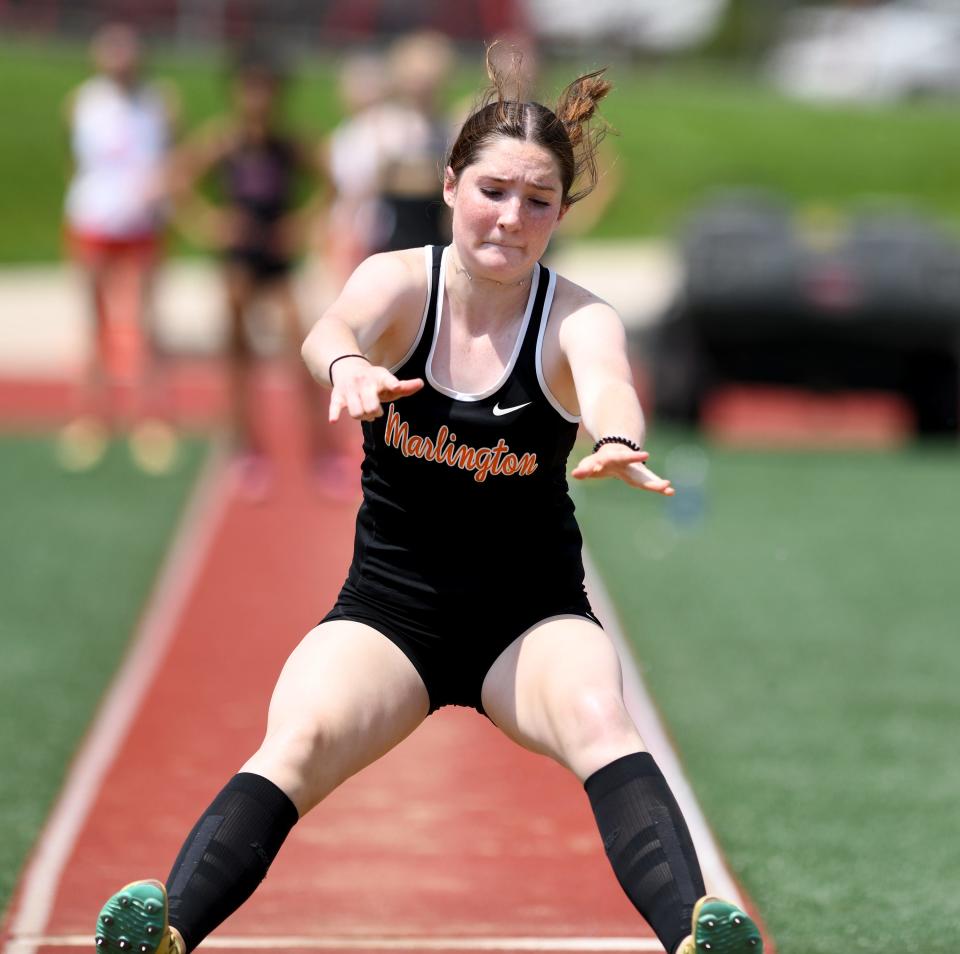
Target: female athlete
column 470, row 367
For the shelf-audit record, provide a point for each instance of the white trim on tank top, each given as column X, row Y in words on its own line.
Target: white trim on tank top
column 508, row 370
column 428, row 259
column 547, row 393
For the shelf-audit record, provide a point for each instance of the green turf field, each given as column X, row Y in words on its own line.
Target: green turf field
column 682, row 134
column 79, row 554
column 802, row 643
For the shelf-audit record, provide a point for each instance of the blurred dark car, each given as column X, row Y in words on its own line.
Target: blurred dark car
column 872, row 303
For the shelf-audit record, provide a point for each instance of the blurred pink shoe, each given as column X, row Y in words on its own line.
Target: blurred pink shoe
column 252, row 475
column 337, row 476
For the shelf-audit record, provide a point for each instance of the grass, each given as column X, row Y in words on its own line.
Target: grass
column 682, row 134
column 800, row 637
column 79, row 554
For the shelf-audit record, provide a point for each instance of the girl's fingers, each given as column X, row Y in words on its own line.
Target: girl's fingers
column 645, row 473
column 628, row 466
column 370, row 399
column 586, row 468
column 365, row 396
column 658, row 485
column 354, row 404
column 393, row 388
column 336, row 406
column 650, row 481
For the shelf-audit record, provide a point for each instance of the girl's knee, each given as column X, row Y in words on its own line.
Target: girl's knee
column 595, row 728
column 301, row 760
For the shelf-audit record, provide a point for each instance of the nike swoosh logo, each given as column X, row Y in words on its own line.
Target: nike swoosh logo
column 500, row 411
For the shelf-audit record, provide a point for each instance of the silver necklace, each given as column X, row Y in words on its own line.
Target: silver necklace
column 522, row 281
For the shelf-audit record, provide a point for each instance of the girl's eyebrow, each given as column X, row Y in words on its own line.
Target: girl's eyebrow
column 540, row 186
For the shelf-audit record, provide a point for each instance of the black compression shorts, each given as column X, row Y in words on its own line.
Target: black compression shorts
column 453, row 648
column 262, row 266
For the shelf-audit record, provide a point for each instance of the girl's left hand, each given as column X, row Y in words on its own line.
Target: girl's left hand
column 618, row 460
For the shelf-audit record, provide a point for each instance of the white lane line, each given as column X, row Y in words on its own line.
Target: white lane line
column 309, row 942
column 109, row 729
column 716, row 875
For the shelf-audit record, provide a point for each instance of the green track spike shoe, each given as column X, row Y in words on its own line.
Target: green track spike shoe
column 720, row 927
column 134, row 921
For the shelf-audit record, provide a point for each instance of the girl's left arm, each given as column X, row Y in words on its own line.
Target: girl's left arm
column 594, row 343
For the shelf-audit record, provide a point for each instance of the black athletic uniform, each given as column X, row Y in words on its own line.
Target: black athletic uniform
column 466, row 536
column 258, row 181
column 409, row 221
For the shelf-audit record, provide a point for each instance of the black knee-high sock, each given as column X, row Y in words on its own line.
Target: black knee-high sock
column 227, row 854
column 648, row 844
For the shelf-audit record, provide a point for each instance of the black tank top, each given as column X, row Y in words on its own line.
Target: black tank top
column 465, row 496
column 260, row 178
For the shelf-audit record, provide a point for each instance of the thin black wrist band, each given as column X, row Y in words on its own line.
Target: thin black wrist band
column 614, row 439
column 335, row 360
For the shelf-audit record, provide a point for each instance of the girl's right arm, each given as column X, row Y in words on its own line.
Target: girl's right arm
column 383, row 290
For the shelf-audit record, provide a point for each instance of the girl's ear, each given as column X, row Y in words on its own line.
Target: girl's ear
column 449, row 186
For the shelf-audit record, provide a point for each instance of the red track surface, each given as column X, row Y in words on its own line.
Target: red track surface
column 457, row 833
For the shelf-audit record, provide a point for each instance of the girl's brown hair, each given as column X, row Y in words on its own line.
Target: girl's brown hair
column 566, row 131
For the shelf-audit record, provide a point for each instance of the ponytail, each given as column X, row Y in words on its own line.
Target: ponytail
column 576, row 108
column 568, row 132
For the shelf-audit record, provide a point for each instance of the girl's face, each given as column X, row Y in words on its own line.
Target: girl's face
column 256, row 95
column 506, row 205
column 117, row 53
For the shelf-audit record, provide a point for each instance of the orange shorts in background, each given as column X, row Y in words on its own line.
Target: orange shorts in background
column 90, row 248
column 121, row 335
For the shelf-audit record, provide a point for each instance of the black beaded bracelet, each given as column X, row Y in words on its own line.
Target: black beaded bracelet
column 614, row 439
column 335, row 360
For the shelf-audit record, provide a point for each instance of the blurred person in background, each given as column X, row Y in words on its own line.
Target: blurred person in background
column 249, row 187
column 352, row 156
column 411, row 181
column 385, row 159
column 120, row 129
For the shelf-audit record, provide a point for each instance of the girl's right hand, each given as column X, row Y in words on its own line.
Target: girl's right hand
column 361, row 388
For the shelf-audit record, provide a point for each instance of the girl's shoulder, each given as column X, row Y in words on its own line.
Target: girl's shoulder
column 402, row 269
column 383, row 302
column 571, row 299
column 580, row 320
column 396, row 281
